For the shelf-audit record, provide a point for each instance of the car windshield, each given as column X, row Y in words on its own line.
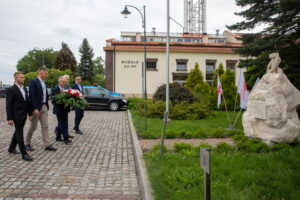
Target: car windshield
column 94, row 91
column 101, row 88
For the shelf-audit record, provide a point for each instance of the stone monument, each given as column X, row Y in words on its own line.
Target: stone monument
column 271, row 110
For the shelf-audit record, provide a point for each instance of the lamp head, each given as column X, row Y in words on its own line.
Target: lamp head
column 125, row 12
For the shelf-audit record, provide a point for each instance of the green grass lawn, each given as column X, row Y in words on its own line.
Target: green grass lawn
column 208, row 125
column 235, row 176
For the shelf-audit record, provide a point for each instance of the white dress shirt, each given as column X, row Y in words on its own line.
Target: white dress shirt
column 21, row 88
column 44, row 89
column 80, row 88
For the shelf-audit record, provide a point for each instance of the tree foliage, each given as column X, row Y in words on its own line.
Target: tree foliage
column 195, row 77
column 281, row 34
column 52, row 79
column 85, row 66
column 229, row 89
column 177, row 93
column 98, row 70
column 36, row 58
column 65, row 59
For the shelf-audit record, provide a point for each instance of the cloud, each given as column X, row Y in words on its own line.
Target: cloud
column 63, row 31
column 26, row 24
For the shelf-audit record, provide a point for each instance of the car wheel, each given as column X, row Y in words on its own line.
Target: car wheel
column 113, row 106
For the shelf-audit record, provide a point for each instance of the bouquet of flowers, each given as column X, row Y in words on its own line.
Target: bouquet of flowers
column 71, row 97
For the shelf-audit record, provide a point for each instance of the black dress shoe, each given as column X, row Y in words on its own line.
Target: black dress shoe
column 59, row 139
column 68, row 141
column 50, row 148
column 79, row 132
column 14, row 151
column 27, row 157
column 29, row 147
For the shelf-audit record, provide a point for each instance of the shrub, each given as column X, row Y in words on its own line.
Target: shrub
column 204, row 145
column 133, row 102
column 279, row 146
column 229, row 89
column 200, row 133
column 170, row 134
column 179, row 111
column 224, row 148
column 218, row 133
column 156, row 148
column 252, row 146
column 155, row 109
column 178, row 93
column 178, row 147
column 148, row 135
column 195, row 77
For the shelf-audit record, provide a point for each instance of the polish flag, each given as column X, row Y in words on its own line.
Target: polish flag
column 243, row 91
column 219, row 91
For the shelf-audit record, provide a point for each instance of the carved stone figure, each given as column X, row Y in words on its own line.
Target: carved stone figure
column 271, row 110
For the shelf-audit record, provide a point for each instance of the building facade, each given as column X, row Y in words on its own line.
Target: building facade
column 124, row 59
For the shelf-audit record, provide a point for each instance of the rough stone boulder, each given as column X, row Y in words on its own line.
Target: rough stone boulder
column 272, row 107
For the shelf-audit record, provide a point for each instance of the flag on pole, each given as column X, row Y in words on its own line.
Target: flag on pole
column 219, row 91
column 243, row 91
column 255, row 84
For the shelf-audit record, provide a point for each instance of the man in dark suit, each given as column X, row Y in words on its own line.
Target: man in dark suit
column 17, row 109
column 79, row 113
column 61, row 112
column 39, row 100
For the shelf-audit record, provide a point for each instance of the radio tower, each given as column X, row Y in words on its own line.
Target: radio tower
column 195, row 16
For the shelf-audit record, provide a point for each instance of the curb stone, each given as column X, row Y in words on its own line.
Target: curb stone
column 146, row 190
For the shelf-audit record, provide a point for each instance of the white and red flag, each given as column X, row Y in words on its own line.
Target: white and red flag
column 243, row 91
column 219, row 91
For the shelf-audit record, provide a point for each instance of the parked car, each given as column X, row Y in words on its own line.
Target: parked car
column 111, row 93
column 98, row 98
column 2, row 92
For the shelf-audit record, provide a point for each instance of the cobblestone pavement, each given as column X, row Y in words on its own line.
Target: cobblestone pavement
column 97, row 165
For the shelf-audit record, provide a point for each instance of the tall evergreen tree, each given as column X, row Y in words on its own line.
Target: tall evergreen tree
column 229, row 89
column 281, row 34
column 195, row 77
column 65, row 59
column 85, row 66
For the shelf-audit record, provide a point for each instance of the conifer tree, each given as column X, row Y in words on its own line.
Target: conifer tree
column 85, row 66
column 65, row 59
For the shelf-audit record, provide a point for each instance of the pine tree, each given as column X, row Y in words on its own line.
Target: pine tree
column 65, row 59
column 281, row 34
column 229, row 89
column 219, row 71
column 85, row 66
column 195, row 77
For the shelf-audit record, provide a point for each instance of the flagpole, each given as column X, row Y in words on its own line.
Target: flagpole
column 237, row 92
column 219, row 80
column 236, row 118
column 230, row 127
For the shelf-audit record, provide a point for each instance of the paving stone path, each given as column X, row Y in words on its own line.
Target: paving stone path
column 97, row 165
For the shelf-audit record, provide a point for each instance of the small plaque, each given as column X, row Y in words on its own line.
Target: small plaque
column 205, row 159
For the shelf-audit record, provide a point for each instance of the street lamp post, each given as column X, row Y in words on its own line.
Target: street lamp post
column 126, row 13
column 166, row 114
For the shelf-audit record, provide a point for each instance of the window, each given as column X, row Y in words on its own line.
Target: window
column 230, row 64
column 129, row 39
column 181, row 64
column 210, row 69
column 151, row 64
column 93, row 91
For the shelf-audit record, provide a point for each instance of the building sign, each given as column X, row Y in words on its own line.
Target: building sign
column 130, row 63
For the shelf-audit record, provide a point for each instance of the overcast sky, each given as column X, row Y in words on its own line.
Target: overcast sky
column 26, row 24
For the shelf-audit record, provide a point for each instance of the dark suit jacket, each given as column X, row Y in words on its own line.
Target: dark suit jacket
column 75, row 86
column 58, row 108
column 36, row 94
column 16, row 107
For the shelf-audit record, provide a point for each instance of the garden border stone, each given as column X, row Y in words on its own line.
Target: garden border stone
column 146, row 190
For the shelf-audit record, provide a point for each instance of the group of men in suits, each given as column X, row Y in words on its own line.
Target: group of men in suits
column 20, row 103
